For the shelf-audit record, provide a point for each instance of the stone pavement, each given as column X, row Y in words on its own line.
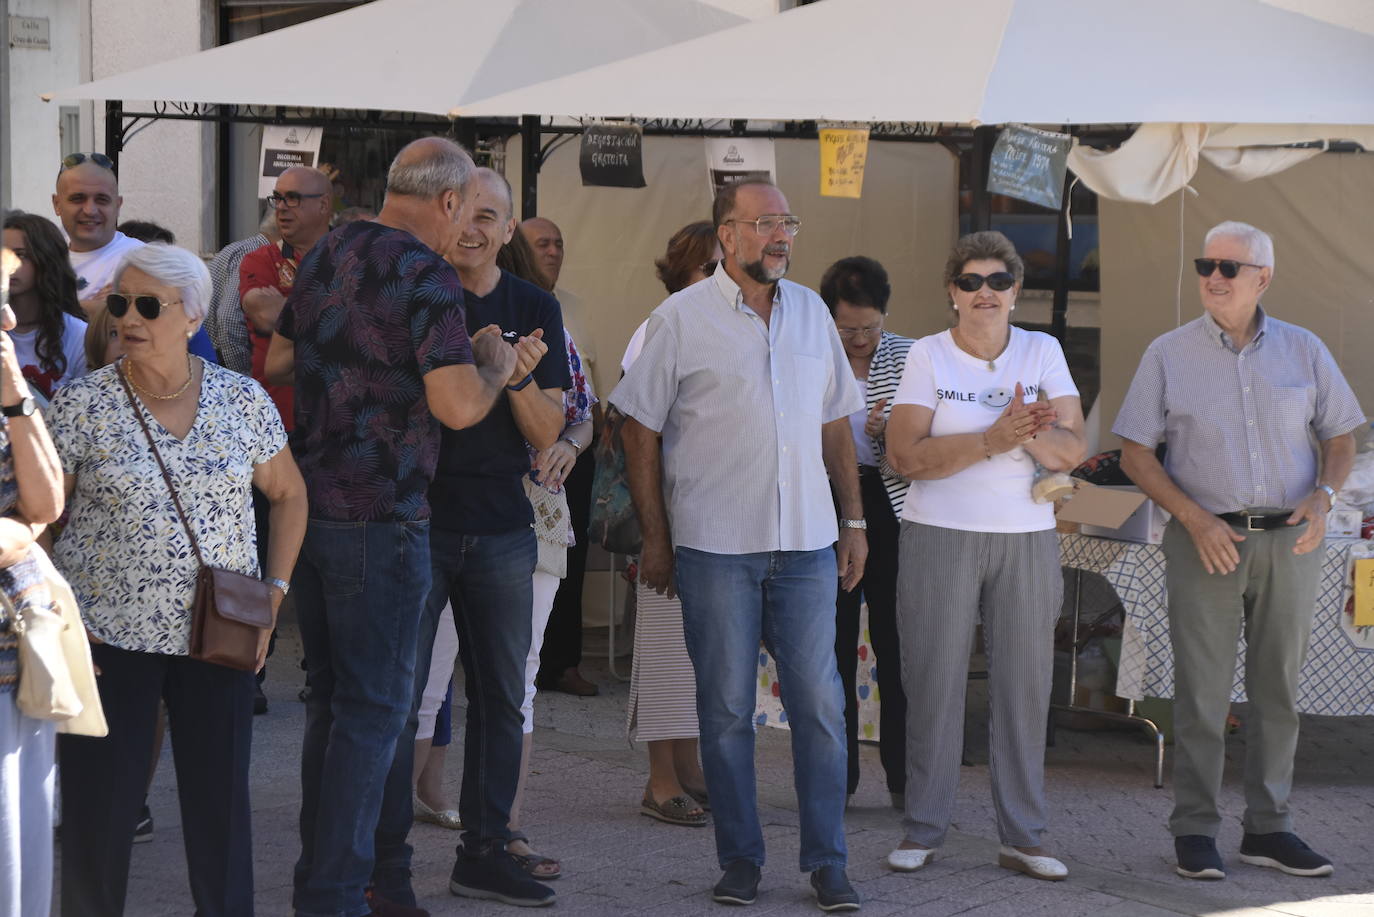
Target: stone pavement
column 1107, row 823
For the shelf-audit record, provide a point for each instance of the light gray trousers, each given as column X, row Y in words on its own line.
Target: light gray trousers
column 1269, row 597
column 948, row 581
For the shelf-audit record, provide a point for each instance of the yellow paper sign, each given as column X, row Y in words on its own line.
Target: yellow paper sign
column 1364, row 592
column 844, row 151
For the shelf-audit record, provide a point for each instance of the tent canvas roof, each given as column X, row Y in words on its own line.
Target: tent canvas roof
column 414, row 55
column 991, row 62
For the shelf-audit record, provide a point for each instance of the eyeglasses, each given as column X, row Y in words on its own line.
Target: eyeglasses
column 972, row 283
column 860, row 332
column 1229, row 269
column 292, row 199
column 150, row 307
column 72, row 160
column 767, row 225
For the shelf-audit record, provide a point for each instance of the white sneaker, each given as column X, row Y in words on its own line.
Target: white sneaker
column 1037, row 867
column 901, row 860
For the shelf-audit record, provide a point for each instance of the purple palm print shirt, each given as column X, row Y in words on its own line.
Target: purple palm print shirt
column 373, row 310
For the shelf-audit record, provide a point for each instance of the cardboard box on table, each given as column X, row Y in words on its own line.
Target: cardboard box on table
column 1122, row 513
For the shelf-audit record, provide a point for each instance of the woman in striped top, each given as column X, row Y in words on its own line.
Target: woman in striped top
column 856, row 291
column 662, row 709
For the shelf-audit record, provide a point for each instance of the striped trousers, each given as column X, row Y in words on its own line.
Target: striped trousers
column 948, row 581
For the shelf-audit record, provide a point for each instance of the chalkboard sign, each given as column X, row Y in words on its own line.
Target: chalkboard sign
column 613, row 155
column 1029, row 165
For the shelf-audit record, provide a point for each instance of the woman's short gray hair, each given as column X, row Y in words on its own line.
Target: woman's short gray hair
column 436, row 165
column 1259, row 242
column 175, row 267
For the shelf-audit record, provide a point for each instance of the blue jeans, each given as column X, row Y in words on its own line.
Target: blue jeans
column 360, row 590
column 26, row 774
column 787, row 599
column 489, row 580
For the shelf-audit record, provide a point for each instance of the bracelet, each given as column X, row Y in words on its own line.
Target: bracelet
column 521, row 384
column 987, row 447
column 577, row 447
column 854, row 524
column 281, row 584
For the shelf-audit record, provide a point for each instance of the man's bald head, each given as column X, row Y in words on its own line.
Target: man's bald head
column 428, row 167
column 497, row 183
column 545, row 238
column 309, row 180
column 87, row 202
column 303, row 205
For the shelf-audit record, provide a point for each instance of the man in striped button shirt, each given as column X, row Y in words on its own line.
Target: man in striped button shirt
column 744, row 376
column 1239, row 398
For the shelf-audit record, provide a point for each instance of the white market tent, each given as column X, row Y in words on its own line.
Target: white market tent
column 428, row 56
column 988, row 62
column 1220, row 88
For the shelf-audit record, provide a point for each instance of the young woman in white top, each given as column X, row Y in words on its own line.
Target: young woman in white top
column 968, row 427
column 51, row 331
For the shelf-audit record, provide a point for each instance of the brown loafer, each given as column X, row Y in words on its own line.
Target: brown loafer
column 572, row 682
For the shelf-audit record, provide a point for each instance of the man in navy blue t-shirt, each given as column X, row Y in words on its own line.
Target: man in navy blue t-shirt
column 483, row 552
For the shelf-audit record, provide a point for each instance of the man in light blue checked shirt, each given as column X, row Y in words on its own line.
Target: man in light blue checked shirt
column 1257, row 419
column 744, row 377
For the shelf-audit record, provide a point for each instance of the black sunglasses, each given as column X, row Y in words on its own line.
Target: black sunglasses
column 72, row 160
column 1229, row 269
column 972, row 283
column 148, row 306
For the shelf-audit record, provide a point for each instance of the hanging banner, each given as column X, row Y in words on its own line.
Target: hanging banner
column 844, row 152
column 1029, row 165
column 612, row 156
column 284, row 147
column 732, row 160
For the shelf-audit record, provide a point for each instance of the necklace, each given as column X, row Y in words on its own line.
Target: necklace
column 190, row 375
column 991, row 361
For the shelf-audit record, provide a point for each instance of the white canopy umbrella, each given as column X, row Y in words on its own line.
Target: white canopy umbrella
column 990, row 62
column 415, row 55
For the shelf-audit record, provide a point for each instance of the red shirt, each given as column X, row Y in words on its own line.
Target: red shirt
column 272, row 265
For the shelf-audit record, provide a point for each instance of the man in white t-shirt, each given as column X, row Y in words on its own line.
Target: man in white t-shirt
column 87, row 201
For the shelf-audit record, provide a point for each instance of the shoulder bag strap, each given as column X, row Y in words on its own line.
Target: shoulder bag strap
column 167, row 478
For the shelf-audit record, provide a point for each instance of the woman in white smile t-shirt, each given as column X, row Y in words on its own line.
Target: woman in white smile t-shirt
column 968, row 426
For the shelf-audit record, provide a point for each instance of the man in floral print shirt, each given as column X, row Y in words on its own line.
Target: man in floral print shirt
column 482, row 555
column 376, row 331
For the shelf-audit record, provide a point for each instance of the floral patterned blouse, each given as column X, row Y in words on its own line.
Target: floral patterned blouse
column 124, row 550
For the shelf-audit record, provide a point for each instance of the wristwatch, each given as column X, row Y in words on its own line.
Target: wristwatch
column 281, row 584
column 854, row 524
column 575, row 444
column 521, row 384
column 24, row 408
column 1330, row 491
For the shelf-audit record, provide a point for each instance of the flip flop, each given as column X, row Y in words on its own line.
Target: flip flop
column 538, row 867
column 676, row 811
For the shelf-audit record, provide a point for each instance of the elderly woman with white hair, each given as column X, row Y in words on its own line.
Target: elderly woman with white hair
column 132, row 564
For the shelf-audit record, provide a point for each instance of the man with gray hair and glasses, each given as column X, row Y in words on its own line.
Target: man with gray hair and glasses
column 1257, row 419
column 744, row 376
column 375, row 328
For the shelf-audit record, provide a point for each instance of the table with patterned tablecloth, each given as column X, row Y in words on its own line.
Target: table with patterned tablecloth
column 1337, row 679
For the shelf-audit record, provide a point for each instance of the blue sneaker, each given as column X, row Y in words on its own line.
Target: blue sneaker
column 1198, row 857
column 1285, row 851
column 833, row 891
